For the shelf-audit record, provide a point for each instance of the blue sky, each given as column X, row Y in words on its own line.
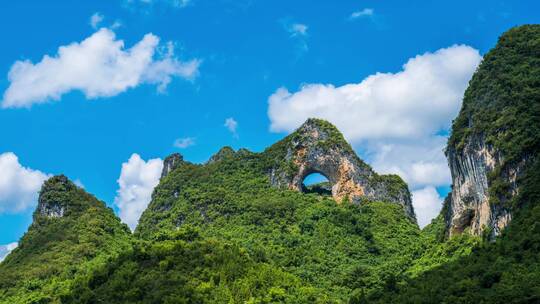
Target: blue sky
column 243, row 51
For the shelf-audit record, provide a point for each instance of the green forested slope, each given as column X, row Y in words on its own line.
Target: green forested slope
column 506, row 271
column 288, row 246
column 56, row 250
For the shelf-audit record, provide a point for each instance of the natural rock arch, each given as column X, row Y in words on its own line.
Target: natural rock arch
column 337, row 168
column 321, row 186
column 318, row 147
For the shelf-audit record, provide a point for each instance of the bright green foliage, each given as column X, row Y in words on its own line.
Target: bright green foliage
column 334, row 140
column 507, row 271
column 182, row 267
column 437, row 251
column 309, row 237
column 501, row 101
column 55, row 251
column 216, row 233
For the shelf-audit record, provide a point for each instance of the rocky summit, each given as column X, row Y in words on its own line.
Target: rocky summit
column 318, row 147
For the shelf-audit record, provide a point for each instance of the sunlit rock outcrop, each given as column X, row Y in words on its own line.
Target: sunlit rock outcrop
column 318, row 147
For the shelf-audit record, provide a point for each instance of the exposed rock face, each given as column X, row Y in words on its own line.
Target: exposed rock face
column 51, row 203
column 469, row 204
column 318, row 147
column 52, row 211
column 496, row 136
column 170, row 163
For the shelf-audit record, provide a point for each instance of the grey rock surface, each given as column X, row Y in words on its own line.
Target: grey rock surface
column 469, row 207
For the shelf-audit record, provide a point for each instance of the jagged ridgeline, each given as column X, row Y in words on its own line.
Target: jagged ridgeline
column 229, row 176
column 240, row 228
column 257, row 201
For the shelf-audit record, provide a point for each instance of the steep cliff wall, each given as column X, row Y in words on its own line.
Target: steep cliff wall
column 496, row 135
column 470, row 205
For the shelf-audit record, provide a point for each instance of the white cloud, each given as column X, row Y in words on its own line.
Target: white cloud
column 362, row 13
column 427, row 205
column 420, row 100
column 298, row 29
column 393, row 118
column 99, row 66
column 231, row 124
column 137, row 180
column 19, row 186
column 95, row 20
column 185, row 142
column 420, row 162
column 7, row 249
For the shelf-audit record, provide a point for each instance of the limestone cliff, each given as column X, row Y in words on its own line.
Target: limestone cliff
column 318, row 147
column 469, row 205
column 496, row 136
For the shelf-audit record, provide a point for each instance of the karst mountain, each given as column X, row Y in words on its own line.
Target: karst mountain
column 244, row 228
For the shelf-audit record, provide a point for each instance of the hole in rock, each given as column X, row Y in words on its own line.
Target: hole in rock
column 318, row 184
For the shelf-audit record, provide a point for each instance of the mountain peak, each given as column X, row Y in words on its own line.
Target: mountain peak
column 317, row 146
column 320, row 129
column 319, row 123
column 170, row 163
column 53, row 197
column 221, row 154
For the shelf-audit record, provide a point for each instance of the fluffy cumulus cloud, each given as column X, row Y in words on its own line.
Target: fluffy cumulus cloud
column 98, row 66
column 137, row 180
column 19, row 186
column 422, row 99
column 427, row 204
column 395, row 119
column 185, row 142
column 6, row 249
column 420, row 162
